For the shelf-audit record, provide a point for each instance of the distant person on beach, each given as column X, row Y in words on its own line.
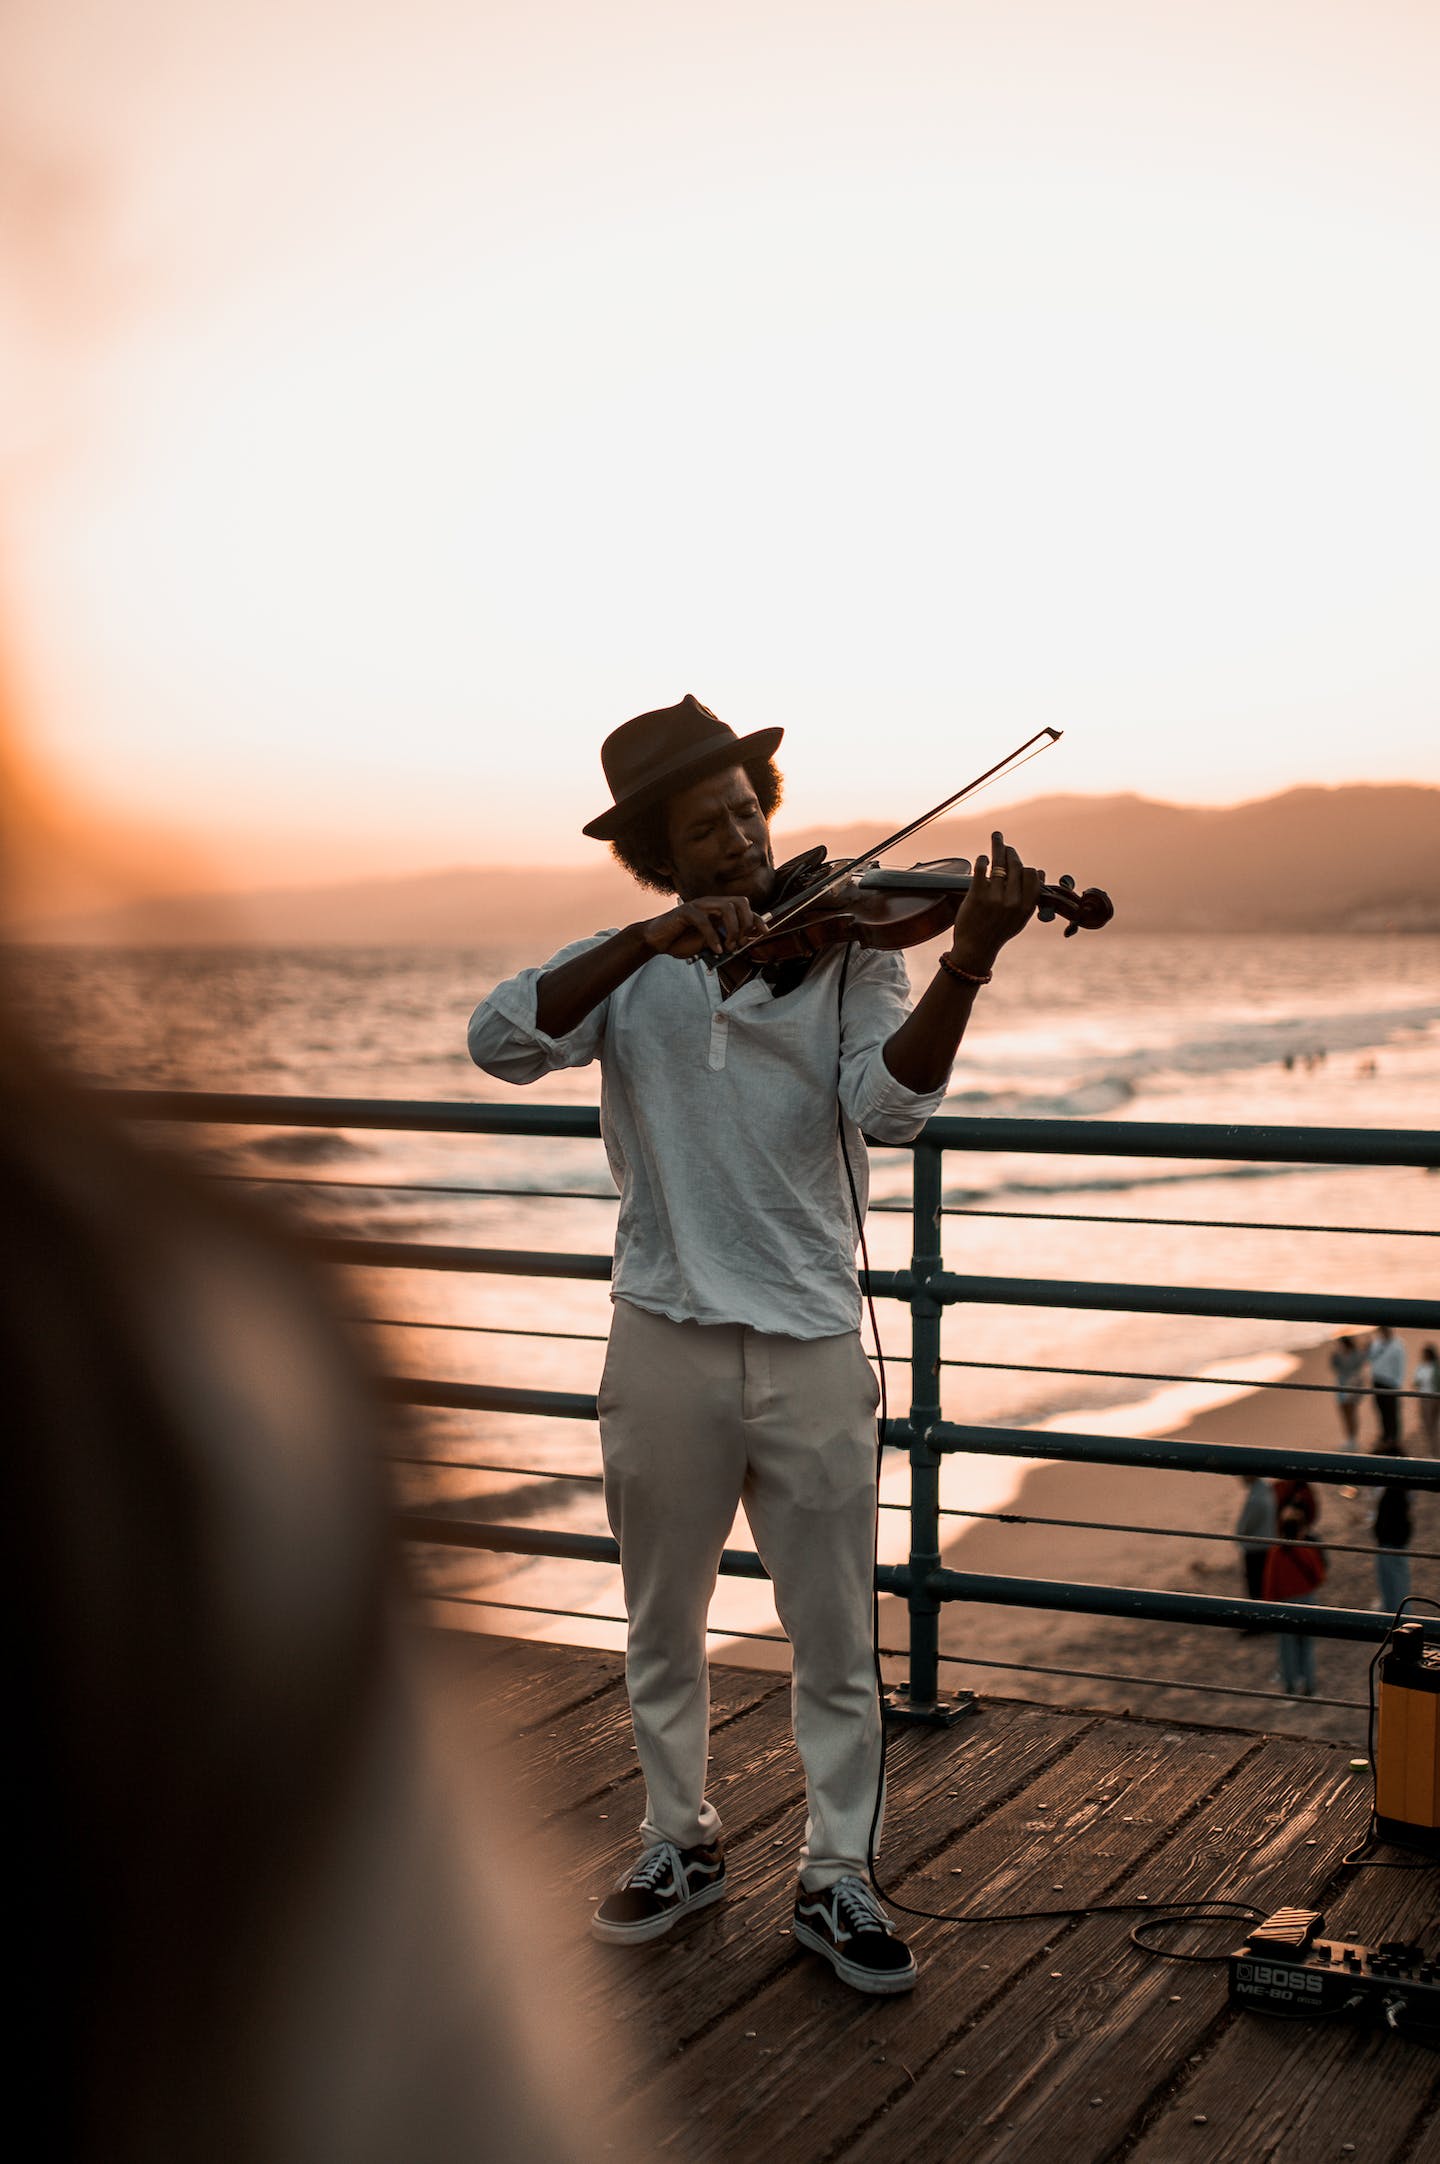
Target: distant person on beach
column 1390, row 1521
column 1426, row 1384
column 1347, row 1365
column 1255, row 1531
column 1387, row 1379
column 1294, row 1569
column 732, row 1101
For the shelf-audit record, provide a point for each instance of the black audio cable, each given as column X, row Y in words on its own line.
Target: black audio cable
column 1158, row 1915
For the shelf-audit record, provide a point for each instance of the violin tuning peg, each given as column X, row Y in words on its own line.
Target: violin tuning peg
column 1067, row 881
column 1045, row 914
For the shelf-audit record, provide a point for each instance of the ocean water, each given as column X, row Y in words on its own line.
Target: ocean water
column 1302, row 1029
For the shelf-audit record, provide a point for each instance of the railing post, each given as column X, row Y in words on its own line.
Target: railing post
column 921, row 1699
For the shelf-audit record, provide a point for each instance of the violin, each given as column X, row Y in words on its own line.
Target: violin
column 854, row 903
column 894, row 909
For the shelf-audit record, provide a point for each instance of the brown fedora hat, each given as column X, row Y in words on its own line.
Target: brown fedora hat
column 647, row 759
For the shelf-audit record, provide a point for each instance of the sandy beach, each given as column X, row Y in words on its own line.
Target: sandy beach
column 1132, row 1498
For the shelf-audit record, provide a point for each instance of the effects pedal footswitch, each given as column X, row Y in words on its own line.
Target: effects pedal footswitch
column 1286, row 1967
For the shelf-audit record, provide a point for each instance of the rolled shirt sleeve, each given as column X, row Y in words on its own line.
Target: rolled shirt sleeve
column 506, row 1040
column 876, row 1002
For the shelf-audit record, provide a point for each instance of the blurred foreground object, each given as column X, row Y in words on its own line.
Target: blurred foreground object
column 255, row 1923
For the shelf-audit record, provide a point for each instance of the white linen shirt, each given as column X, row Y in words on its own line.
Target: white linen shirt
column 721, row 1123
column 1387, row 1363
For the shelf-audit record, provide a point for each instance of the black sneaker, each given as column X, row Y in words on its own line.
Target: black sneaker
column 846, row 1924
column 664, row 1884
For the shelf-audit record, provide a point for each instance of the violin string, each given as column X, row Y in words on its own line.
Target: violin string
column 1019, row 762
column 843, row 873
column 1010, row 764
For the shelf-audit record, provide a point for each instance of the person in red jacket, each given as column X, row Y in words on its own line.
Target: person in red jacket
column 1294, row 1569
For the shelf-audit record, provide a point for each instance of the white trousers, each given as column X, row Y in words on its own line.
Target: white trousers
column 695, row 1419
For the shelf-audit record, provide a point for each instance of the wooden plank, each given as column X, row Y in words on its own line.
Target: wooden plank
column 510, row 1683
column 590, row 1751
column 1294, row 2091
column 1021, row 1799
column 691, row 1981
column 816, row 2062
column 752, row 1757
column 757, row 1782
column 1074, row 2058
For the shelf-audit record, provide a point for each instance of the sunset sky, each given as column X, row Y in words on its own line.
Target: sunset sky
column 396, row 394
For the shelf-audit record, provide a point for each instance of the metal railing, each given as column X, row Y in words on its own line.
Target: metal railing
column 927, row 1288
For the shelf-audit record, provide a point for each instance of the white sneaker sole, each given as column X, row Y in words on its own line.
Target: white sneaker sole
column 655, row 1927
column 883, row 1983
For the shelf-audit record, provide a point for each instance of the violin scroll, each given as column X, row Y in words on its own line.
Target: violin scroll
column 1089, row 911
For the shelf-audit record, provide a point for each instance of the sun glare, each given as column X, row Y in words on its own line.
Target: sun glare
column 965, row 440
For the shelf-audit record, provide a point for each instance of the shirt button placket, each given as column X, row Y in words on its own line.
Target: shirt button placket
column 719, row 1036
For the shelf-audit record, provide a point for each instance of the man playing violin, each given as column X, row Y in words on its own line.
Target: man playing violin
column 733, row 1099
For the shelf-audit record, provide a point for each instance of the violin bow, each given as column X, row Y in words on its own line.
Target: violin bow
column 844, row 873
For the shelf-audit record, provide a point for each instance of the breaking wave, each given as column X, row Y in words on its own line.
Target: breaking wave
column 1229, row 1050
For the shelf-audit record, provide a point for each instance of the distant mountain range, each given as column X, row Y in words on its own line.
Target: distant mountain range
column 1356, row 858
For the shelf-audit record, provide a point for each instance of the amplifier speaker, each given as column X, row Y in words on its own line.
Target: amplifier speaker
column 1407, row 1752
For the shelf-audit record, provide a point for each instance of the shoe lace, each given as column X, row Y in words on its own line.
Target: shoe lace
column 657, row 1863
column 857, row 1905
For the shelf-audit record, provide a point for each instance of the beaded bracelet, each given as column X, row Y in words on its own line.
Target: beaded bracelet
column 964, row 976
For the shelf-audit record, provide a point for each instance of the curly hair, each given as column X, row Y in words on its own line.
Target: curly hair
column 643, row 847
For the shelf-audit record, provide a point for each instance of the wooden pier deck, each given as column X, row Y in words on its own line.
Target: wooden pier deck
column 1031, row 2040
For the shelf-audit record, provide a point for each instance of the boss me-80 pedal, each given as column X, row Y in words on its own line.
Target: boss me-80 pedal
column 1285, row 1967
